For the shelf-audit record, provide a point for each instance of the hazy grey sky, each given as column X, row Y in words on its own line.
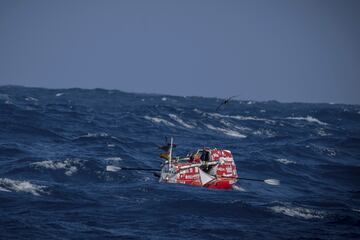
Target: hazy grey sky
column 305, row 50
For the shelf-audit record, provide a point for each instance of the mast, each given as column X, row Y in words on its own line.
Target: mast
column 170, row 152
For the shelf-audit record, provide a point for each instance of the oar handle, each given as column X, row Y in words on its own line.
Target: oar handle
column 138, row 169
column 251, row 179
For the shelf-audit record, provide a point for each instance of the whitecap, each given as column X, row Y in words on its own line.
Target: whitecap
column 241, row 118
column 330, row 152
column 163, row 99
column 31, row 99
column 299, row 212
column 91, row 135
column 264, row 132
column 113, row 159
column 197, row 111
column 9, row 185
column 69, row 165
column 228, row 132
column 225, row 122
column 243, row 128
column 159, row 120
column 112, row 168
column 228, row 124
column 285, row 161
column 111, row 145
column 321, row 132
column 59, row 94
column 4, row 189
column 180, row 121
column 308, row 119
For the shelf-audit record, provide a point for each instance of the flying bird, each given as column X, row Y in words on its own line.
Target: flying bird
column 226, row 102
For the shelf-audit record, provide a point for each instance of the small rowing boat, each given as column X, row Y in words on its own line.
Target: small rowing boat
column 206, row 167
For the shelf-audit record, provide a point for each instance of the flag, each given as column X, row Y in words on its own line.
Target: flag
column 165, row 155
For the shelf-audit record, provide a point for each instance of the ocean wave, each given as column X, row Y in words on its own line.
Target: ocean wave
column 198, row 111
column 4, row 96
column 113, row 159
column 59, row 94
column 264, row 132
column 321, row 132
column 69, row 165
column 94, row 135
column 285, row 161
column 320, row 174
column 9, row 185
column 309, row 119
column 242, row 118
column 158, row 120
column 329, row 151
column 299, row 212
column 180, row 121
column 228, row 132
column 112, row 168
column 31, row 99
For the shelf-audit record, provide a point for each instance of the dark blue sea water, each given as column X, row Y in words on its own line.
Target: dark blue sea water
column 59, row 150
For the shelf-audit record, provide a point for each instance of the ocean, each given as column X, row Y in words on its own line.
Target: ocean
column 61, row 149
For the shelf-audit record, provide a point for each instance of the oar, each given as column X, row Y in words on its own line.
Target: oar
column 138, row 169
column 273, row 182
column 116, row 168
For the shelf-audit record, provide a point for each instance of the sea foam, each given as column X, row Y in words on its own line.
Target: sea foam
column 242, row 118
column 69, row 165
column 228, row 132
column 158, row 120
column 309, row 119
column 180, row 121
column 299, row 212
column 285, row 161
column 9, row 185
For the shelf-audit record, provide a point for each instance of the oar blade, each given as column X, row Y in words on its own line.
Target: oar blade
column 273, row 182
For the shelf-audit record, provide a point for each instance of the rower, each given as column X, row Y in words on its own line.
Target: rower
column 205, row 159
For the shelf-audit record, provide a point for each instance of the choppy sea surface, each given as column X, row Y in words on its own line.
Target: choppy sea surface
column 60, row 151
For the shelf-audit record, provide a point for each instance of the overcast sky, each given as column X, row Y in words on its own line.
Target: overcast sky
column 305, row 50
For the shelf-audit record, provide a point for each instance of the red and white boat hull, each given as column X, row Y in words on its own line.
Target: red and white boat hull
column 219, row 173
